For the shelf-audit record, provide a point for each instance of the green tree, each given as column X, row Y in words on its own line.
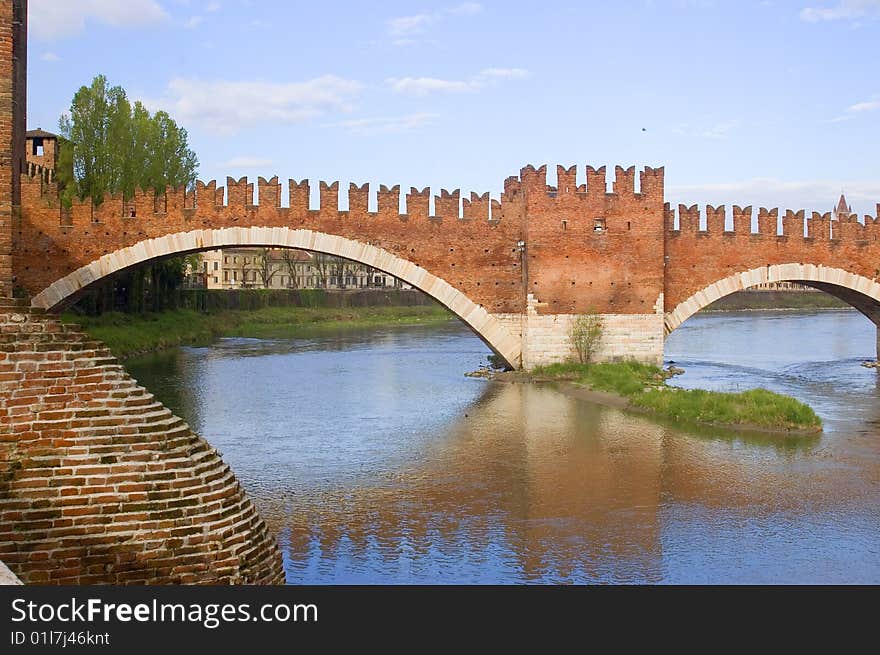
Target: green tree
column 116, row 147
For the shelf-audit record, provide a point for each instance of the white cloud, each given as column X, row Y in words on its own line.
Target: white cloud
column 55, row 19
column 870, row 105
column 405, row 25
column 49, row 56
column 227, row 106
column 718, row 131
column 248, row 162
column 193, row 22
column 812, row 195
column 465, row 9
column 859, row 108
column 488, row 74
column 421, row 86
column 370, row 126
column 403, row 28
column 843, row 10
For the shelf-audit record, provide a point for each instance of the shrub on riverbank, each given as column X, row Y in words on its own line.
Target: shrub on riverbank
column 131, row 334
column 644, row 387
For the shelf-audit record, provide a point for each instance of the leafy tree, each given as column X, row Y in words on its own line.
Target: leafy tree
column 117, row 147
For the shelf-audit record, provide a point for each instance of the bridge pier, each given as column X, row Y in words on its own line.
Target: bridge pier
column 546, row 337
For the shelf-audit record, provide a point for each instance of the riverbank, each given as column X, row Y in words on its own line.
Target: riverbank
column 775, row 300
column 642, row 388
column 128, row 335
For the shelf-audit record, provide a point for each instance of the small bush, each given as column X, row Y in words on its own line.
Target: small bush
column 586, row 334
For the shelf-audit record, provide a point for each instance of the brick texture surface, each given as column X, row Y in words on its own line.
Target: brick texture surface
column 99, row 483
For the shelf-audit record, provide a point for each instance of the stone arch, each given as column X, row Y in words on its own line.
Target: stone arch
column 487, row 327
column 860, row 292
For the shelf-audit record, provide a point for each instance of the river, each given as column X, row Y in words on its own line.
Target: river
column 375, row 460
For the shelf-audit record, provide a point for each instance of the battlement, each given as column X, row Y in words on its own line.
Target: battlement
column 768, row 222
column 37, row 171
column 533, row 183
column 241, row 196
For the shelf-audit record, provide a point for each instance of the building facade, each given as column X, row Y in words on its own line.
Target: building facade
column 277, row 268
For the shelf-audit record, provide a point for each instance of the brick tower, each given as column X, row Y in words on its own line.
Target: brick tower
column 13, row 94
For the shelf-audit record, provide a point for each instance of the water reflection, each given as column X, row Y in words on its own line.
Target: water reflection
column 375, row 460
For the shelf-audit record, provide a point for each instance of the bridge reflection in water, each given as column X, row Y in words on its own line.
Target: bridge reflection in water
column 521, row 483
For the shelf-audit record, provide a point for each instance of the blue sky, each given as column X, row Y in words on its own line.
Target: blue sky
column 773, row 103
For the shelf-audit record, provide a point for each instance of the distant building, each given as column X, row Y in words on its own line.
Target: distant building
column 277, row 268
column 41, row 148
column 842, row 212
column 780, row 286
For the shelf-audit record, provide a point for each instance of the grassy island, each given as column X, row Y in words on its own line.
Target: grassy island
column 133, row 334
column 644, row 388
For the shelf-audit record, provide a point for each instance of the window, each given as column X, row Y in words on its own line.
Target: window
column 216, row 265
column 226, row 276
column 235, row 260
column 599, row 225
column 216, row 281
column 226, row 260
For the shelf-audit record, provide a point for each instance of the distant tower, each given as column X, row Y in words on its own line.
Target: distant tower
column 842, row 212
column 41, row 148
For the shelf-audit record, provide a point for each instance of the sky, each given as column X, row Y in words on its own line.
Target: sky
column 768, row 103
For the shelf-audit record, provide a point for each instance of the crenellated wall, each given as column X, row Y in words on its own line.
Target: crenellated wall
column 460, row 242
column 588, row 248
column 703, row 249
column 539, row 251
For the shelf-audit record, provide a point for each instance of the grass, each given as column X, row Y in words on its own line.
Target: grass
column 644, row 386
column 132, row 334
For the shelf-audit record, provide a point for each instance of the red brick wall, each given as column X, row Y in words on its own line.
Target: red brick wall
column 472, row 253
column 47, row 159
column 572, row 266
column 99, row 483
column 13, row 93
column 698, row 258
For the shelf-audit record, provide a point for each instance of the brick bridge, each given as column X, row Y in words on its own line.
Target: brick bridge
column 515, row 270
column 101, row 483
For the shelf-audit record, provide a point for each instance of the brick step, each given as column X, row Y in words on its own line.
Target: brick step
column 13, row 303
